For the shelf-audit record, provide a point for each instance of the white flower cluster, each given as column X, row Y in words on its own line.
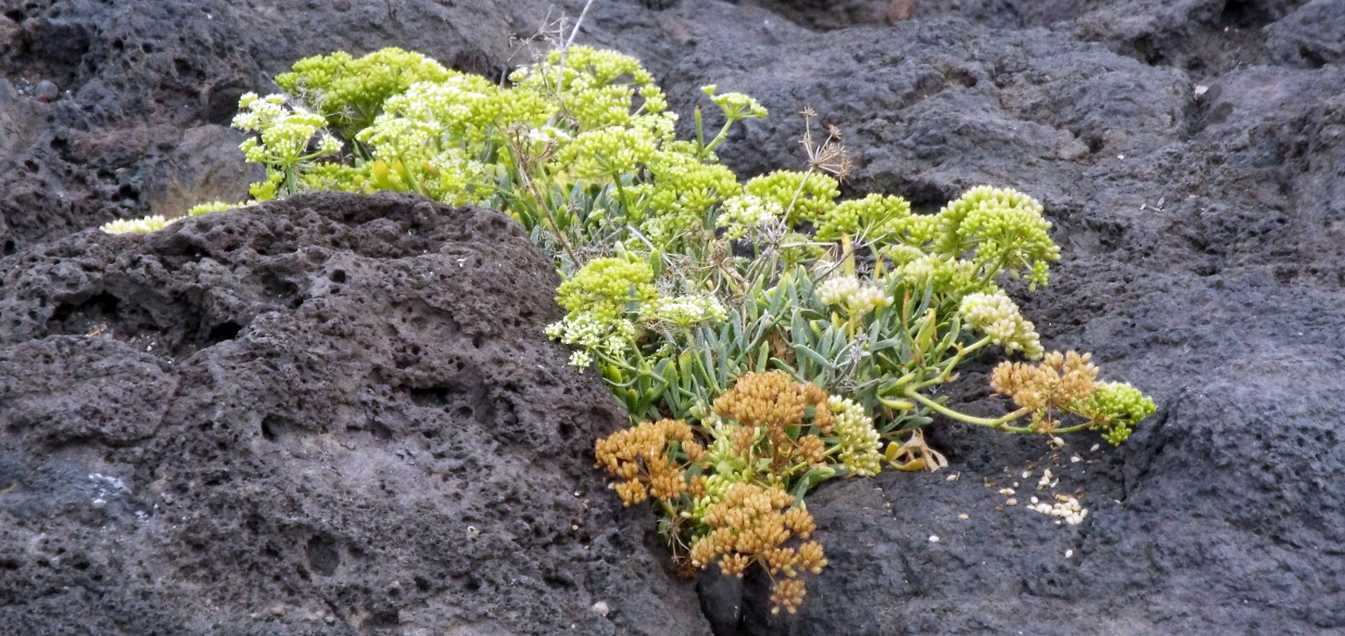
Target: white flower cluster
column 684, row 311
column 285, row 132
column 744, row 215
column 847, row 291
column 856, row 437
column 455, row 100
column 997, row 316
column 590, row 335
column 143, row 225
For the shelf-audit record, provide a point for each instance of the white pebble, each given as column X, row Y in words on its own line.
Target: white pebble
column 933, row 538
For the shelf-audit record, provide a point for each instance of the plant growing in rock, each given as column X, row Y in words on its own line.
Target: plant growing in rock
column 768, row 334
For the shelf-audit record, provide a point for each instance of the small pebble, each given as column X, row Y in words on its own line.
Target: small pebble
column 1075, row 459
column 964, row 516
column 1095, row 447
column 1006, row 491
column 47, row 91
column 1011, row 501
column 601, row 609
column 1069, row 553
column 933, row 538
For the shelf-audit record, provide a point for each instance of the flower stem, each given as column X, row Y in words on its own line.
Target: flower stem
column 998, row 423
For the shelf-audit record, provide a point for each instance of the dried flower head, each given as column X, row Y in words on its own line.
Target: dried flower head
column 757, row 524
column 650, row 460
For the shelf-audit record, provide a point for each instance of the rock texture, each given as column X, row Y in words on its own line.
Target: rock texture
column 328, row 415
column 1191, row 155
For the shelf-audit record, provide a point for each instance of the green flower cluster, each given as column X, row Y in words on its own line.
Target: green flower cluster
column 804, row 196
column 605, row 287
column 1115, row 408
column 349, row 92
column 878, row 219
column 1005, row 228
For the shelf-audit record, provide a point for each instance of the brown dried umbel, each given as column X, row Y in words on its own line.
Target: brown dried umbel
column 1056, row 385
column 652, row 460
column 762, row 525
column 779, row 419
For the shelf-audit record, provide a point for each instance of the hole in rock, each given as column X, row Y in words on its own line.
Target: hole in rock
column 323, row 555
column 227, row 330
column 435, row 396
column 1311, row 57
column 273, row 426
column 77, row 317
column 384, row 620
column 1244, row 14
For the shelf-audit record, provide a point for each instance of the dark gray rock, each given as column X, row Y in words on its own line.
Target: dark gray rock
column 1190, row 154
column 332, row 414
column 1313, row 36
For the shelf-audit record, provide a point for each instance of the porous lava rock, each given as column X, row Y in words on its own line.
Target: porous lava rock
column 332, row 414
column 1190, row 155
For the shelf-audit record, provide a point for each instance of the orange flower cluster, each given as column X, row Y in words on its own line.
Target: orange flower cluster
column 651, row 460
column 770, row 409
column 1058, row 383
column 756, row 524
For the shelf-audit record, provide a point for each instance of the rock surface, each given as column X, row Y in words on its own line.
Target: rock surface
column 1191, row 155
column 332, row 414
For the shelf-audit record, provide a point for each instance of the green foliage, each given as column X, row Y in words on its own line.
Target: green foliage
column 692, row 292
column 349, row 92
column 804, row 196
column 678, row 277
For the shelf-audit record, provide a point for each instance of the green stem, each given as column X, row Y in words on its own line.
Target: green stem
column 998, row 423
column 719, row 138
column 953, row 362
